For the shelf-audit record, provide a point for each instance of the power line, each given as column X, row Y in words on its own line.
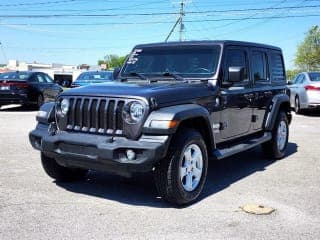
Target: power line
column 207, row 6
column 158, row 22
column 264, row 20
column 156, row 13
column 37, row 3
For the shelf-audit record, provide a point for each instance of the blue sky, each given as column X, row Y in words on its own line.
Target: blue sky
column 122, row 24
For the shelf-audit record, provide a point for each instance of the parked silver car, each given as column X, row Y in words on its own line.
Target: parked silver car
column 305, row 91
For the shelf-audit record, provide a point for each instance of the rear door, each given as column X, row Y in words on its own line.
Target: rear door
column 294, row 89
column 261, row 86
column 301, row 91
column 236, row 99
column 268, row 74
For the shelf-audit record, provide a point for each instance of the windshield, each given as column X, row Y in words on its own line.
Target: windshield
column 315, row 77
column 18, row 76
column 186, row 61
column 95, row 76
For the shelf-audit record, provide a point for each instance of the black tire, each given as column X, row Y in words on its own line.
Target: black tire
column 61, row 173
column 271, row 148
column 40, row 100
column 167, row 173
column 297, row 108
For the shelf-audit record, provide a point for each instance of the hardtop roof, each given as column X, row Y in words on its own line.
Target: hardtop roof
column 208, row 43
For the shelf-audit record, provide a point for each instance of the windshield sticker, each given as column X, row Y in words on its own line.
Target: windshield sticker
column 133, row 56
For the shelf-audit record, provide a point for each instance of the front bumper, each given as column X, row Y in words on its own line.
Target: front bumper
column 99, row 152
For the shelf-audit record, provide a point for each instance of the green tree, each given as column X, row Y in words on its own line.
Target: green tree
column 101, row 62
column 308, row 52
column 291, row 73
column 113, row 60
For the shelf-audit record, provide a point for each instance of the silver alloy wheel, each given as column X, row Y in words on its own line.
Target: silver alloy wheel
column 191, row 167
column 282, row 135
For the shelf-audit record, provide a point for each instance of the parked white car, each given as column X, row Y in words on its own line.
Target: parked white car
column 305, row 91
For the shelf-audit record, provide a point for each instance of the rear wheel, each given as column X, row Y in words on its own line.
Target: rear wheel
column 276, row 147
column 297, row 108
column 181, row 175
column 61, row 173
column 40, row 101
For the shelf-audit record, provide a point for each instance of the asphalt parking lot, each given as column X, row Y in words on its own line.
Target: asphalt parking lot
column 33, row 206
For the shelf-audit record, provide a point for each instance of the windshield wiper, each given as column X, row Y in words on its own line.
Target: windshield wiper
column 175, row 76
column 140, row 75
column 135, row 74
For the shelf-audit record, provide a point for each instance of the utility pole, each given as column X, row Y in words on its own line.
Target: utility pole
column 182, row 14
column 180, row 22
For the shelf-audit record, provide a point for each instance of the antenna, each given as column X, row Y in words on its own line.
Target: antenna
column 180, row 22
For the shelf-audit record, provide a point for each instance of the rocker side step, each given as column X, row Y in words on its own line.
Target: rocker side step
column 228, row 151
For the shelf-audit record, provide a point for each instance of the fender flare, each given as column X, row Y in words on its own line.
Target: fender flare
column 179, row 114
column 274, row 108
column 46, row 113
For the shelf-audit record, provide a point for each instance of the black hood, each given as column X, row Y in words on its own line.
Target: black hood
column 163, row 93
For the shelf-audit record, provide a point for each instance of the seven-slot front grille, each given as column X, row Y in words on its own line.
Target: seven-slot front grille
column 95, row 115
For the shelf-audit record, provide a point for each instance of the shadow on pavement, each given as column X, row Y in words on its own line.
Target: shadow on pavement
column 18, row 108
column 141, row 191
column 312, row 113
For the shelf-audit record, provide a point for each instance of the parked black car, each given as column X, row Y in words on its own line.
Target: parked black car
column 175, row 107
column 27, row 88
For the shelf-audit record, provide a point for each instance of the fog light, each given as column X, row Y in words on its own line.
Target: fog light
column 131, row 155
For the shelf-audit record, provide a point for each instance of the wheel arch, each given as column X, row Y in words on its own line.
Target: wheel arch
column 279, row 103
column 183, row 116
column 203, row 127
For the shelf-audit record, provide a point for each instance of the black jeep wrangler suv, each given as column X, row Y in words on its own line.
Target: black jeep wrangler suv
column 172, row 107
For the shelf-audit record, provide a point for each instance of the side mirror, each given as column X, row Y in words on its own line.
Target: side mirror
column 289, row 82
column 236, row 74
column 116, row 72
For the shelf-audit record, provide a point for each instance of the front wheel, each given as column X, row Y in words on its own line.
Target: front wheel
column 276, row 147
column 181, row 175
column 61, row 173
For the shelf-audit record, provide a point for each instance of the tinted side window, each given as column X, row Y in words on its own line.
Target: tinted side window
column 277, row 67
column 259, row 66
column 47, row 78
column 236, row 58
column 302, row 79
column 40, row 78
column 298, row 79
column 295, row 81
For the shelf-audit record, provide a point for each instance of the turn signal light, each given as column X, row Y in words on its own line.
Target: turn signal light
column 164, row 124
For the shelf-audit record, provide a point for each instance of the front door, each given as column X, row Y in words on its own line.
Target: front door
column 236, row 109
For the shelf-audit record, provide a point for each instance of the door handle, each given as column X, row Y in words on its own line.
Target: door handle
column 249, row 96
column 267, row 93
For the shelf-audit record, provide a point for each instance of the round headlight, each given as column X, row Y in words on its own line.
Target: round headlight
column 65, row 106
column 133, row 112
column 136, row 111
